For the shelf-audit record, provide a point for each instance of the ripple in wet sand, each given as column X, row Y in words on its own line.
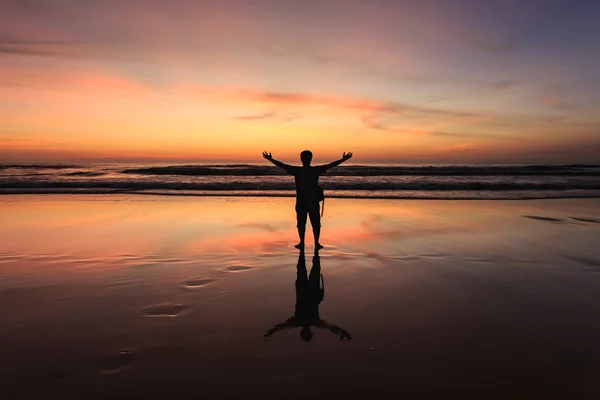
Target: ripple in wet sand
column 196, row 283
column 118, row 361
column 164, row 310
column 405, row 258
column 221, row 294
column 540, row 218
column 586, row 261
column 237, row 268
column 6, row 258
column 480, row 259
column 591, row 220
column 435, row 255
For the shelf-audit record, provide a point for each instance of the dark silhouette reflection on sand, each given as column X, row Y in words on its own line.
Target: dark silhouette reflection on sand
column 310, row 292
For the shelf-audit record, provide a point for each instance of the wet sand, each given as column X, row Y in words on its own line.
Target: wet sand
column 123, row 295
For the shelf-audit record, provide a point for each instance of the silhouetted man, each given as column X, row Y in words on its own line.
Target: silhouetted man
column 309, row 294
column 307, row 191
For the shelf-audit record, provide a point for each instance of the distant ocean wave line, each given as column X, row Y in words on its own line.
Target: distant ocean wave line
column 352, row 170
column 273, row 186
column 383, row 194
column 360, row 170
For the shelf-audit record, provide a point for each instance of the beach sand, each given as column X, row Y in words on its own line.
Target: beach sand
column 148, row 296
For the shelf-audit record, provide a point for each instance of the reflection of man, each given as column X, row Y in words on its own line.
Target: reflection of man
column 307, row 191
column 310, row 291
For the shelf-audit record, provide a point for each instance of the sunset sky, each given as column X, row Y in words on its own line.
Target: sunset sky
column 444, row 81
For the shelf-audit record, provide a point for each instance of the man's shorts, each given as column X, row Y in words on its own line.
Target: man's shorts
column 310, row 209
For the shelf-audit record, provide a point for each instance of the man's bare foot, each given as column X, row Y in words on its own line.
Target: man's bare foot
column 300, row 245
column 318, row 246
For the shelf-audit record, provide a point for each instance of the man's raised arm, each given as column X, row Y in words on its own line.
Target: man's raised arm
column 277, row 163
column 345, row 157
column 342, row 333
column 290, row 323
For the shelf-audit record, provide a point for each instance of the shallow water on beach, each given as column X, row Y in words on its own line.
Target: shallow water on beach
column 138, row 294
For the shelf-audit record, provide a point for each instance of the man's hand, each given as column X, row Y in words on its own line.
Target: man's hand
column 347, row 156
column 267, row 156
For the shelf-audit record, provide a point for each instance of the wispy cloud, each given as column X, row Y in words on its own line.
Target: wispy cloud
column 505, row 84
column 382, row 115
column 557, row 96
column 28, row 50
column 54, row 48
column 277, row 116
column 477, row 135
column 266, row 115
column 376, row 114
column 377, row 106
column 368, row 121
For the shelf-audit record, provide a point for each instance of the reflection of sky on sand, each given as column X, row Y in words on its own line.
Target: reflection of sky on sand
column 163, row 287
column 97, row 226
column 107, row 232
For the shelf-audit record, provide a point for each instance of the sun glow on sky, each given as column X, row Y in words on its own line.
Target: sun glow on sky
column 446, row 81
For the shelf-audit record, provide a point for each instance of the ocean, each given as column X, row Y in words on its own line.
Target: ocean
column 509, row 182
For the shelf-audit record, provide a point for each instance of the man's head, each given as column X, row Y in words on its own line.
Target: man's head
column 306, row 334
column 306, row 157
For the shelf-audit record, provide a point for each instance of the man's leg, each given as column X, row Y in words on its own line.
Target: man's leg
column 301, row 224
column 314, row 279
column 301, row 273
column 315, row 221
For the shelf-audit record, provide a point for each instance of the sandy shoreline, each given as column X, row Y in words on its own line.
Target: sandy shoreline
column 112, row 294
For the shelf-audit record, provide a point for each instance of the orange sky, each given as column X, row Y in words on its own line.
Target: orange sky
column 191, row 82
